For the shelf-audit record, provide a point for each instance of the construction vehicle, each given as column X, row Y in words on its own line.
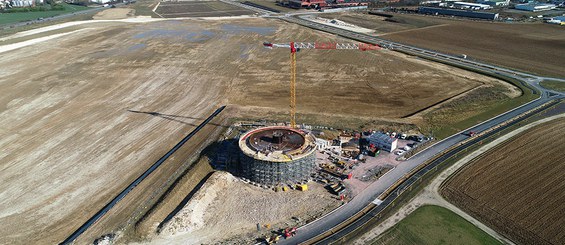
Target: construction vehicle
column 289, row 232
column 338, row 188
column 296, row 47
column 272, row 239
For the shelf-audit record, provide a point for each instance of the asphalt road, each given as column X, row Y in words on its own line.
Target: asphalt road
column 365, row 198
column 368, row 195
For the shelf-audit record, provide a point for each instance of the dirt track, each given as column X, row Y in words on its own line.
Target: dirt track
column 520, row 191
column 77, row 112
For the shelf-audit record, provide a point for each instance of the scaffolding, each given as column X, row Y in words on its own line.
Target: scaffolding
column 275, row 156
column 277, row 173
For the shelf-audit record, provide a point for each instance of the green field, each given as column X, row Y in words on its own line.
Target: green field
column 9, row 18
column 557, row 86
column 434, row 225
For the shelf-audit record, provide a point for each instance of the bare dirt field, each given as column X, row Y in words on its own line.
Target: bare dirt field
column 535, row 48
column 382, row 25
column 83, row 114
column 518, row 189
column 114, row 14
column 199, row 9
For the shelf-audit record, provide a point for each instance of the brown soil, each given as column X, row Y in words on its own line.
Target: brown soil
column 114, row 14
column 83, row 115
column 233, row 207
column 383, row 25
column 517, row 188
column 199, row 9
column 535, row 48
column 377, row 84
column 180, row 191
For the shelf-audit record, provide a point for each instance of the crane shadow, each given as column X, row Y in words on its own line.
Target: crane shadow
column 175, row 118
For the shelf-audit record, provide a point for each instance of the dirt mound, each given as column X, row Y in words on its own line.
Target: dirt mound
column 235, row 208
column 191, row 217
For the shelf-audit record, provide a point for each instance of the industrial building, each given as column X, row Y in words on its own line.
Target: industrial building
column 460, row 13
column 495, row 3
column 535, row 7
column 19, row 3
column 467, row 5
column 559, row 20
column 322, row 4
column 383, row 141
column 277, row 155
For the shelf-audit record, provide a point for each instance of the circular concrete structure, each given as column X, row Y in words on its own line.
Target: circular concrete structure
column 277, row 155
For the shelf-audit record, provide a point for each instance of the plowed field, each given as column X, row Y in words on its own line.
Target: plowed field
column 535, row 48
column 518, row 188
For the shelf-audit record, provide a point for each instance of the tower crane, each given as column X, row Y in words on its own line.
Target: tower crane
column 297, row 46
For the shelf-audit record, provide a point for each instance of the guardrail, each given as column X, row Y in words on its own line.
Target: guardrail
column 408, row 180
column 138, row 180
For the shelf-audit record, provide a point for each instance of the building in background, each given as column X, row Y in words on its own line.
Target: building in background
column 456, row 12
column 559, row 20
column 100, row 1
column 535, row 7
column 470, row 6
column 495, row 3
column 383, row 141
column 21, row 3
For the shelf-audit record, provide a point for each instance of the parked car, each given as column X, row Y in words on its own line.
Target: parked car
column 399, row 152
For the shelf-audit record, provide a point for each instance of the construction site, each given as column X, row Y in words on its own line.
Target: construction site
column 257, row 126
column 277, row 156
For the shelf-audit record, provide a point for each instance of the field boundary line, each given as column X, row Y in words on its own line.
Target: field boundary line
column 138, row 180
column 155, row 9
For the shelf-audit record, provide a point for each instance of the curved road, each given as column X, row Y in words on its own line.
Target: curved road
column 366, row 197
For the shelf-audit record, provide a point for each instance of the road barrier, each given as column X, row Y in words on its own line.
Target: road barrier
column 396, row 190
column 136, row 182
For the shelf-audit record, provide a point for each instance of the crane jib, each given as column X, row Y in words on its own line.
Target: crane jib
column 296, row 46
